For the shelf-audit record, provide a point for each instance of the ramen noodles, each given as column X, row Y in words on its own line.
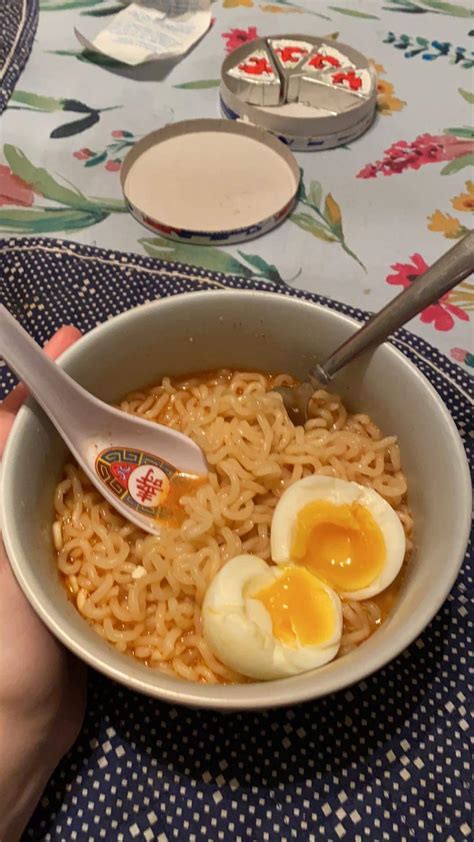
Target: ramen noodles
column 143, row 593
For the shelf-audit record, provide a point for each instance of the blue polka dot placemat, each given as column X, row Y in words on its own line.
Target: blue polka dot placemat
column 18, row 22
column 386, row 760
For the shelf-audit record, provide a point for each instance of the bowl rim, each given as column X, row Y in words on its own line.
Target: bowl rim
column 201, row 695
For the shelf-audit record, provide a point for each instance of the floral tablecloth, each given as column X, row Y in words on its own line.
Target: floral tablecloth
column 372, row 215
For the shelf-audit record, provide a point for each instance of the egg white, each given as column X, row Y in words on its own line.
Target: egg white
column 338, row 491
column 238, row 628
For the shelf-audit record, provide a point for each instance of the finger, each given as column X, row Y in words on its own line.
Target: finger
column 62, row 339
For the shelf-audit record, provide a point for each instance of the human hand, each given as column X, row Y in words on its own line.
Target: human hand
column 42, row 686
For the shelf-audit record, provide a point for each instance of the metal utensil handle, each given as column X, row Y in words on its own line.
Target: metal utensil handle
column 442, row 276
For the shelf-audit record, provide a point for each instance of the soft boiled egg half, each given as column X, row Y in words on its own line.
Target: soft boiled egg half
column 344, row 533
column 271, row 622
column 330, row 539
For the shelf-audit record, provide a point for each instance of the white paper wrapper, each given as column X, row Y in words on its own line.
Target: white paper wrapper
column 152, row 31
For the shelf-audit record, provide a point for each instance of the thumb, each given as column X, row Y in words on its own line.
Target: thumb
column 60, row 342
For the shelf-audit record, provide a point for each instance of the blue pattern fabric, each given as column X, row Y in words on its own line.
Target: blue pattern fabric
column 18, row 22
column 387, row 759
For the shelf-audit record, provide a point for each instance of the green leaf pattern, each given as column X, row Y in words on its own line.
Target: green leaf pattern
column 40, row 180
column 323, row 224
column 213, row 259
column 48, row 220
column 467, row 95
column 420, row 7
column 29, row 101
column 37, row 102
column 199, row 85
column 355, row 13
column 458, row 164
column 74, row 212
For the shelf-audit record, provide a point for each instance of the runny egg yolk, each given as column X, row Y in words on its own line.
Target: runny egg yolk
column 341, row 543
column 300, row 609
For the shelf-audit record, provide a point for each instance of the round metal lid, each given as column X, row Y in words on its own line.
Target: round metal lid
column 207, row 181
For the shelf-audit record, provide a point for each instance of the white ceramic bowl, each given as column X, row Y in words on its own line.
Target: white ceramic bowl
column 251, row 330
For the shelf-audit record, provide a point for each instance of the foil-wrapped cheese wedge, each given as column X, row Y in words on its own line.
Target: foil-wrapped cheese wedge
column 324, row 58
column 336, row 91
column 256, row 79
column 289, row 54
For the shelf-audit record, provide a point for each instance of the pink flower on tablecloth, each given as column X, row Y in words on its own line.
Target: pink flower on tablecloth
column 441, row 314
column 13, row 190
column 83, row 154
column 406, row 273
column 113, row 166
column 236, row 37
column 425, row 149
column 462, row 356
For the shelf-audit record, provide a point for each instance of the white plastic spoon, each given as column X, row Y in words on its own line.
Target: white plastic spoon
column 135, row 464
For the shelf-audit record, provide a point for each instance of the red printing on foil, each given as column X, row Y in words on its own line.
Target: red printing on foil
column 292, row 54
column 256, row 66
column 319, row 60
column 354, row 81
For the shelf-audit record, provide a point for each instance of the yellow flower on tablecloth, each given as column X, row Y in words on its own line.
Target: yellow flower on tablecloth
column 446, row 224
column 269, row 7
column 465, row 201
column 387, row 102
column 390, row 104
column 232, row 4
column 384, row 88
column 463, row 296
